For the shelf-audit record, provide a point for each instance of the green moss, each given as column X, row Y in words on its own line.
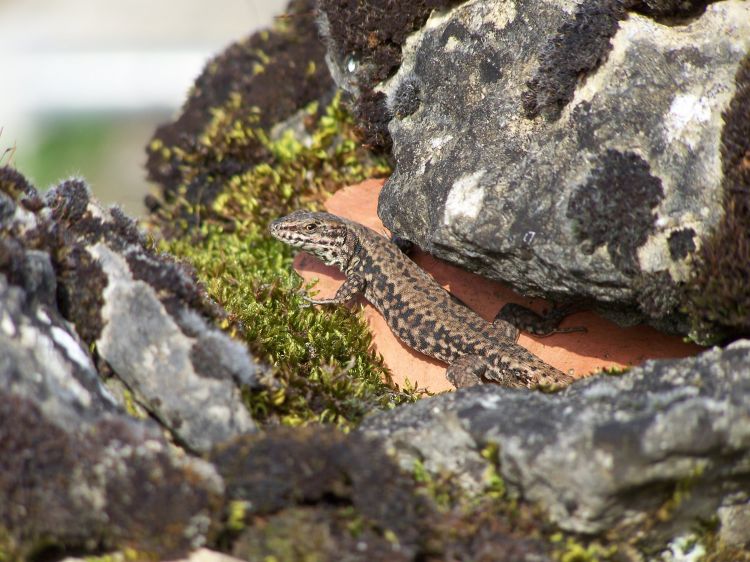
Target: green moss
column 495, row 485
column 440, row 489
column 323, row 364
column 236, row 513
column 683, row 490
column 295, row 534
column 6, row 545
column 571, row 550
column 614, row 371
column 127, row 555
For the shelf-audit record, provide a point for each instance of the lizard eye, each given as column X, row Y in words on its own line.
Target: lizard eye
column 310, row 227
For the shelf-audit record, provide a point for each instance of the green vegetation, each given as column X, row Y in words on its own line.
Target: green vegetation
column 570, row 550
column 324, row 369
column 127, row 555
column 495, row 485
column 614, row 371
column 683, row 489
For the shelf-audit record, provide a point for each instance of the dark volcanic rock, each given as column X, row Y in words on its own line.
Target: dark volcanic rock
column 652, row 450
column 148, row 317
column 569, row 149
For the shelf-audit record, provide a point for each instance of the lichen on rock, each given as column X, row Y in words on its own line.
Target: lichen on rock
column 76, row 471
column 508, row 165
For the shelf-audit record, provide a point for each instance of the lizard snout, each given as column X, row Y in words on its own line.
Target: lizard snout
column 274, row 228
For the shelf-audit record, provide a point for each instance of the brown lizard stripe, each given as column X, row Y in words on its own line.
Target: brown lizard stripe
column 417, row 309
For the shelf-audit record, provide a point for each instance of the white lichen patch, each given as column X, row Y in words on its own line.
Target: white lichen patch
column 56, row 367
column 43, row 317
column 465, row 198
column 7, row 326
column 438, row 142
column 654, row 255
column 72, row 348
column 686, row 115
column 451, row 44
column 498, row 14
column 685, row 548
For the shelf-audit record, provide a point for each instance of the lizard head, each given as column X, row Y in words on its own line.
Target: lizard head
column 324, row 235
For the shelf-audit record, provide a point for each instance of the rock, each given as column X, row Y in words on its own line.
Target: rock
column 286, row 468
column 735, row 525
column 75, row 470
column 646, row 452
column 364, row 44
column 201, row 555
column 146, row 314
column 570, row 149
column 316, row 493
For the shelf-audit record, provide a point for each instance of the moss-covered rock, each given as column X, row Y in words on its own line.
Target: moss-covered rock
column 315, row 493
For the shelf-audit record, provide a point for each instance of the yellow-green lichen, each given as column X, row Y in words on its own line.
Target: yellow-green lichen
column 323, row 363
column 126, row 555
column 614, row 371
column 440, row 489
column 571, row 550
column 6, row 545
column 683, row 490
column 236, row 512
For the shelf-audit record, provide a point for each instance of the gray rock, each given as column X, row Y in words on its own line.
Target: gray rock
column 150, row 320
column 42, row 359
column 148, row 324
column 186, row 379
column 76, row 471
column 510, row 164
column 735, row 525
column 651, row 450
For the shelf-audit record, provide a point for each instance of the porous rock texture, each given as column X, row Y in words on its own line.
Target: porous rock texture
column 316, row 493
column 75, row 469
column 146, row 315
column 571, row 149
column 651, row 451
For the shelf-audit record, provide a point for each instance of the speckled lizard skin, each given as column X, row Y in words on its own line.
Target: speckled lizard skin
column 417, row 309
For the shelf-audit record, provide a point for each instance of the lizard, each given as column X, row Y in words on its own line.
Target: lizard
column 419, row 311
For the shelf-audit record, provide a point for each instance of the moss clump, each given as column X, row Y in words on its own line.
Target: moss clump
column 127, row 555
column 280, row 70
column 571, row 550
column 324, row 368
column 719, row 302
column 369, row 36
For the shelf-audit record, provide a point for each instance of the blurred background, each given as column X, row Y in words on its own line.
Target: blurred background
column 84, row 83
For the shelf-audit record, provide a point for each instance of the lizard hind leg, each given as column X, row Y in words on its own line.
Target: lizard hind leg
column 540, row 325
column 467, row 370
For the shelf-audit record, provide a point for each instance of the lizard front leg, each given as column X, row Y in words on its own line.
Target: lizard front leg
column 353, row 285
